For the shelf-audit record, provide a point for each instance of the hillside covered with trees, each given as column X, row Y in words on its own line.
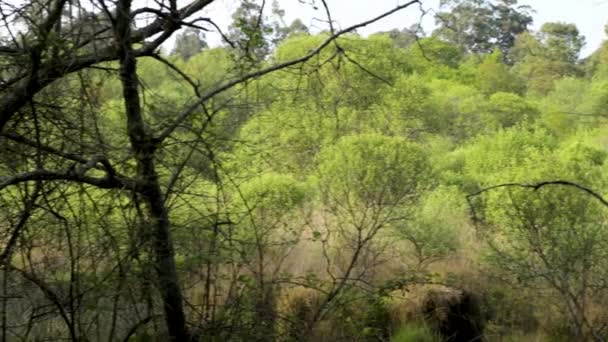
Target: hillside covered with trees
column 294, row 184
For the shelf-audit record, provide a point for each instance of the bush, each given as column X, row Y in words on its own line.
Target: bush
column 415, row 332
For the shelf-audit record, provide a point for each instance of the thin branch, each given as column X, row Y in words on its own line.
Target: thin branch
column 16, row 233
column 194, row 84
column 534, row 187
column 72, row 175
column 217, row 28
column 330, row 21
column 539, row 185
column 23, row 140
column 136, row 327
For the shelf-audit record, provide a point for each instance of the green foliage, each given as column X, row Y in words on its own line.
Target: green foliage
column 458, row 110
column 300, row 132
column 387, row 134
column 366, row 318
column 480, row 26
column 596, row 65
column 249, row 32
column 435, row 230
column 508, row 110
column 403, row 38
column 272, row 193
column 517, row 149
column 189, row 43
column 594, row 102
column 548, row 56
column 434, row 56
column 402, row 110
column 562, row 41
column 415, row 332
column 550, row 234
column 492, row 76
column 372, row 170
column 352, row 79
column 552, row 238
column 210, row 67
column 265, row 205
column 562, row 108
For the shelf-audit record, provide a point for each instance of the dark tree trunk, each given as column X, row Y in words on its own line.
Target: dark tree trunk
column 143, row 146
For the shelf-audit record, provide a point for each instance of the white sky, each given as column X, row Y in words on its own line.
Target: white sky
column 589, row 15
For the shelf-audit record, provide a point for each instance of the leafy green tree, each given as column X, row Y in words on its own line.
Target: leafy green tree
column 267, row 233
column 562, row 41
column 553, row 238
column 561, row 109
column 250, row 30
column 508, row 110
column 189, row 43
column 361, row 73
column 480, row 26
column 405, row 37
column 459, row 111
column 550, row 55
column 434, row 55
column 492, row 75
column 596, row 63
column 436, row 229
column 594, row 103
column 372, row 172
column 404, row 110
column 281, row 29
column 484, row 159
column 367, row 184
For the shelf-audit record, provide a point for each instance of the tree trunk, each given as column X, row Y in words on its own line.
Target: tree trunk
column 143, row 145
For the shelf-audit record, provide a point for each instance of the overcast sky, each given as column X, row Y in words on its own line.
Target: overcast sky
column 589, row 15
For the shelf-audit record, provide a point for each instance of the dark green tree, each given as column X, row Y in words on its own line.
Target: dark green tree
column 281, row 30
column 250, row 31
column 562, row 41
column 480, row 26
column 405, row 37
column 296, row 27
column 189, row 43
column 551, row 54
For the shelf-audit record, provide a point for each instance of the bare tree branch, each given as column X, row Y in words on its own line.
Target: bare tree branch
column 71, row 175
column 536, row 186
